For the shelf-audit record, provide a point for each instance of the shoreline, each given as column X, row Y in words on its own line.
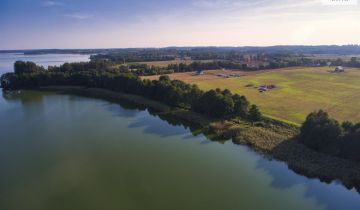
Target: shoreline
column 276, row 141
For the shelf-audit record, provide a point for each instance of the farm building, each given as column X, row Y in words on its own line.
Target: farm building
column 264, row 88
column 339, row 69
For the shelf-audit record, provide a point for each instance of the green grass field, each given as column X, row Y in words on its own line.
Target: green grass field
column 166, row 63
column 157, row 63
column 299, row 91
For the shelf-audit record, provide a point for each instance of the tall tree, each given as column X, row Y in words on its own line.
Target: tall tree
column 254, row 114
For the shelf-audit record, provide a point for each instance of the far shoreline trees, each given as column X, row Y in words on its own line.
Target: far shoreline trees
column 21, row 67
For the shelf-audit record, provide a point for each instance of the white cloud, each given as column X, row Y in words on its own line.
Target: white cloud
column 79, row 16
column 51, row 3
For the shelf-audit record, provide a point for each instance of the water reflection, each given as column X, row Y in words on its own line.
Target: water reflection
column 32, row 104
column 330, row 196
column 181, row 127
column 151, row 126
column 313, row 187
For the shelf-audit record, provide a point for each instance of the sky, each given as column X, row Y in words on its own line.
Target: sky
column 43, row 24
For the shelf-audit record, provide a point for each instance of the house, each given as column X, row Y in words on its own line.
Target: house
column 339, row 69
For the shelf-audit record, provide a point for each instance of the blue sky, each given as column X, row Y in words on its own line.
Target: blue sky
column 27, row 24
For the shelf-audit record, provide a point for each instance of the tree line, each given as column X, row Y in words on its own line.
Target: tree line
column 215, row 103
column 323, row 133
column 214, row 53
column 353, row 62
column 135, row 55
column 147, row 70
column 141, row 69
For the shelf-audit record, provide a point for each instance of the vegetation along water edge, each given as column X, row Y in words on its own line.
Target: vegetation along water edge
column 315, row 150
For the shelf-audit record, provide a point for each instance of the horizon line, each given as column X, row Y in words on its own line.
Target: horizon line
column 194, row 46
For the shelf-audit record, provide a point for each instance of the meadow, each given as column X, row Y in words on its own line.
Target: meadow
column 298, row 91
column 166, row 63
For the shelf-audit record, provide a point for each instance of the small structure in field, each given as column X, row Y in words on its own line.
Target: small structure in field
column 264, row 88
column 339, row 69
column 199, row 72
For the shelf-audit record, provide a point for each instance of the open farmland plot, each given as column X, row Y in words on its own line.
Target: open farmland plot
column 298, row 91
column 193, row 77
column 163, row 63
column 166, row 63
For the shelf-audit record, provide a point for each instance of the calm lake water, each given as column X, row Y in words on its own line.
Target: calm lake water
column 70, row 152
column 7, row 60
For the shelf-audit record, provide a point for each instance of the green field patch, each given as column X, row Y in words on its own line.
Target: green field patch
column 299, row 91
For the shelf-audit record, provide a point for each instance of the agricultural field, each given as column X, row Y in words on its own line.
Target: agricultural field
column 166, row 63
column 193, row 77
column 297, row 92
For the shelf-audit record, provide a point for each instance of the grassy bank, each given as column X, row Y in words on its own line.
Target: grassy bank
column 273, row 138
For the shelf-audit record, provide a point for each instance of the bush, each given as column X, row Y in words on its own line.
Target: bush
column 319, row 131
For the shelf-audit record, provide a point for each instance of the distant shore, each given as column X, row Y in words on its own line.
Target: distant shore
column 277, row 141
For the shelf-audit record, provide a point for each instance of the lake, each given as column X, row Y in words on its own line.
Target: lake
column 7, row 60
column 70, row 152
